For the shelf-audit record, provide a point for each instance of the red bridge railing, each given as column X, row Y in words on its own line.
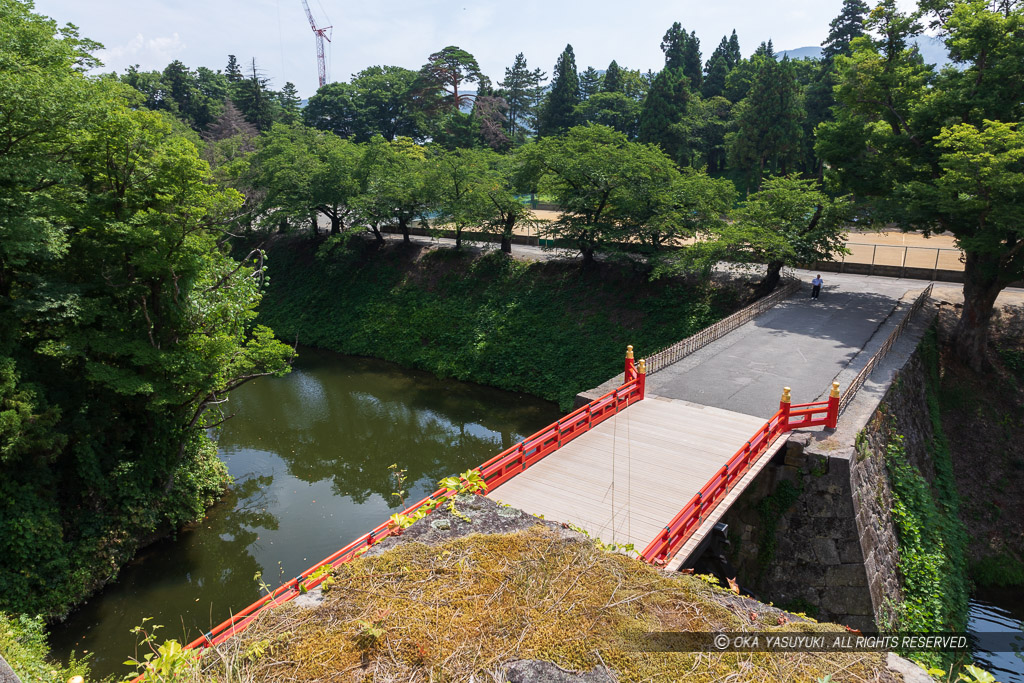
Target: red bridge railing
column 495, row 472
column 689, row 519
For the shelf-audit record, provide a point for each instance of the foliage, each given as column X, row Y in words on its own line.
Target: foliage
column 379, row 100
column 23, row 646
column 521, row 90
column 126, row 323
column 163, row 663
column 558, row 114
column 940, row 152
column 449, row 68
column 542, row 329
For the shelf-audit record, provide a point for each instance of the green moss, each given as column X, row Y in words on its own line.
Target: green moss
column 770, row 510
column 548, row 329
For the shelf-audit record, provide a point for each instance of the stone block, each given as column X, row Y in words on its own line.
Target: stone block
column 847, row 601
column 825, row 551
column 846, row 575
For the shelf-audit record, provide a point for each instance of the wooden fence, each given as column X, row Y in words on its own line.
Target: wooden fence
column 681, row 349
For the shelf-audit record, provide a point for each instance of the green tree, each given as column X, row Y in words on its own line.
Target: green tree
column 461, row 180
column 233, row 71
column 844, row 28
column 394, row 185
column 291, row 104
column 380, row 100
column 590, row 82
column 559, row 109
column 126, row 323
column 613, row 109
column 909, row 139
column 768, row 135
column 718, row 71
column 605, row 185
column 733, row 54
column 252, row 96
column 449, row 68
column 664, row 106
column 612, row 78
column 521, row 90
column 788, row 221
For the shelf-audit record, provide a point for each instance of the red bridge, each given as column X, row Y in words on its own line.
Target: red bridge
column 643, row 470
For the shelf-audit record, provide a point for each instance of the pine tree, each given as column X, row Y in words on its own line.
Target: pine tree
column 692, row 64
column 844, row 28
column 522, row 91
column 290, row 103
column 613, row 78
column 252, row 96
column 559, row 112
column 590, row 83
column 769, row 134
column 233, row 71
column 664, row 106
column 673, row 44
column 734, row 55
column 714, row 84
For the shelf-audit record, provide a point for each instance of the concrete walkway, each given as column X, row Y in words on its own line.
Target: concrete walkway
column 801, row 343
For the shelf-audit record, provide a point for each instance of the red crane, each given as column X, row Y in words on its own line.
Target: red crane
column 321, row 33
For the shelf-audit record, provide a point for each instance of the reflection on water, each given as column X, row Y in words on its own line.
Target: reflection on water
column 310, row 454
column 999, row 612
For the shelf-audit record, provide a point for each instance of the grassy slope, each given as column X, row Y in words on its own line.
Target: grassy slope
column 547, row 329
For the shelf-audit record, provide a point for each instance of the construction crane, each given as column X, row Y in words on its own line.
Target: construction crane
column 321, row 34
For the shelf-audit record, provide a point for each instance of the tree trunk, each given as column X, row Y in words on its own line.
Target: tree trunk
column 458, row 236
column 981, row 287
column 506, row 235
column 403, row 224
column 771, row 278
column 377, row 234
column 335, row 224
column 587, row 249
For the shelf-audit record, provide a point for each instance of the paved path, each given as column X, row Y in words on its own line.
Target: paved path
column 801, row 343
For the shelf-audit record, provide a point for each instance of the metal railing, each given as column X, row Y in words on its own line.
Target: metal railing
column 866, row 371
column 681, row 349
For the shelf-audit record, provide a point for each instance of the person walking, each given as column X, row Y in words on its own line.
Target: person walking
column 816, row 284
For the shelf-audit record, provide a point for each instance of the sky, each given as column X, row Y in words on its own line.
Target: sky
column 152, row 33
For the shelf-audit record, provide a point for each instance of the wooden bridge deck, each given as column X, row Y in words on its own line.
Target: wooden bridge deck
column 624, row 480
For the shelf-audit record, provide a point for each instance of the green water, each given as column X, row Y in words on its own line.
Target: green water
column 310, row 455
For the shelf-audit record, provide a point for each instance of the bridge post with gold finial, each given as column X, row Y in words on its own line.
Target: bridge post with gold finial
column 642, row 376
column 630, row 365
column 833, row 407
column 784, row 408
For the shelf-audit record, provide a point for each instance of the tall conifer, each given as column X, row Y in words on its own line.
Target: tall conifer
column 559, row 111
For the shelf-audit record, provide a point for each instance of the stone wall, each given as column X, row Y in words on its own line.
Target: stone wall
column 835, row 547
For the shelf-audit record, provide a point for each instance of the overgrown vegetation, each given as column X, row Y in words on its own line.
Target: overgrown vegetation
column 466, row 608
column 547, row 329
column 23, row 646
column 932, row 538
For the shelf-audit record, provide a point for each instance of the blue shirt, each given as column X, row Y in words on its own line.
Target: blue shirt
column 817, row 282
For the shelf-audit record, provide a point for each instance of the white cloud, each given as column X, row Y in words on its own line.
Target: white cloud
column 148, row 53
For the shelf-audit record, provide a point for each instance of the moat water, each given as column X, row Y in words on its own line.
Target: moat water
column 310, row 454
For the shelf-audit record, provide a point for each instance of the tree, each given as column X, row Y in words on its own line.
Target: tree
column 461, row 180
column 718, row 71
column 844, row 28
column 682, row 52
column 590, row 82
column 252, row 97
column 394, row 185
column 305, row 172
column 693, row 63
column 291, row 104
column 788, row 221
column 449, row 68
column 125, row 320
column 233, row 71
column 664, row 106
column 733, row 55
column 768, row 135
column 909, row 140
column 612, row 109
column 521, row 91
column 612, row 78
column 559, row 110
column 604, row 184
column 380, row 100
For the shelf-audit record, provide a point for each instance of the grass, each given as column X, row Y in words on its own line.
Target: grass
column 547, row 329
column 462, row 610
